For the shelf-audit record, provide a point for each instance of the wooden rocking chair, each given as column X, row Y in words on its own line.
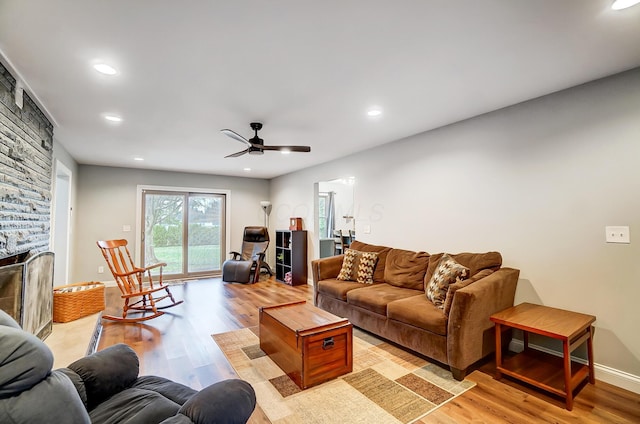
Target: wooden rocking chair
column 137, row 293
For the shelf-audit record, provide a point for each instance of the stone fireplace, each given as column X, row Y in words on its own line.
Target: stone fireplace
column 26, row 158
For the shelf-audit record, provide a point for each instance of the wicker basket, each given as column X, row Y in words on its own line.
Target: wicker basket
column 77, row 300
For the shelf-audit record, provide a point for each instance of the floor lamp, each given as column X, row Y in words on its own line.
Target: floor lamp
column 266, row 208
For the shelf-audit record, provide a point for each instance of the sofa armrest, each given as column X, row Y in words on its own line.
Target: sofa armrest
column 324, row 269
column 467, row 338
column 107, row 372
column 229, row 401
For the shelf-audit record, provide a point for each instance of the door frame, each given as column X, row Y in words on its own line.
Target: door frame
column 61, row 171
column 139, row 192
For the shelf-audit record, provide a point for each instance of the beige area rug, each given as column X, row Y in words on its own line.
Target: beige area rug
column 387, row 385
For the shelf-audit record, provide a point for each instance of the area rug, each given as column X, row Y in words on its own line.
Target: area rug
column 387, row 385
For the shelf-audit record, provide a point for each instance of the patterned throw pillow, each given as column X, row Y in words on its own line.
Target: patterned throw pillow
column 453, row 288
column 358, row 266
column 447, row 272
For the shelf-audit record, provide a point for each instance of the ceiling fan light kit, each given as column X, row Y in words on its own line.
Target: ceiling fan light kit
column 256, row 146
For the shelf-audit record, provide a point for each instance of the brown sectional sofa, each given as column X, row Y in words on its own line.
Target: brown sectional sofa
column 395, row 305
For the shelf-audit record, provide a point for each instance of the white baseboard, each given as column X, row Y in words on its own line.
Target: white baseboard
column 604, row 373
column 109, row 283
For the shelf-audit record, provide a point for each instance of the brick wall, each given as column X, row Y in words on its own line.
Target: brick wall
column 26, row 145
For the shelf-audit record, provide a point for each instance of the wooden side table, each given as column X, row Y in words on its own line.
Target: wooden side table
column 548, row 372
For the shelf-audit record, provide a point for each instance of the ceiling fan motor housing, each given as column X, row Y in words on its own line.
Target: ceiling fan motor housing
column 256, row 140
column 256, row 146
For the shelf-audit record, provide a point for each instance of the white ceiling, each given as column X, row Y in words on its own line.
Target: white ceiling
column 308, row 70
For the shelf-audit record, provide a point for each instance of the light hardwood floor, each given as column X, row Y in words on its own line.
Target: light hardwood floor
column 178, row 345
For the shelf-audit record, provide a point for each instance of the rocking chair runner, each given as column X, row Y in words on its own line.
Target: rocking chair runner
column 138, row 295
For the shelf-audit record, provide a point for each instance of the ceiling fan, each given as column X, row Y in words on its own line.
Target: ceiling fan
column 256, row 146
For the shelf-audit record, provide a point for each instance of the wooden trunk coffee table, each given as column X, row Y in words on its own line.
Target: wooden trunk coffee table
column 545, row 371
column 309, row 344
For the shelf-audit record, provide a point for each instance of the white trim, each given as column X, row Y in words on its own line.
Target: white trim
column 604, row 373
column 59, row 168
column 227, row 212
column 18, row 76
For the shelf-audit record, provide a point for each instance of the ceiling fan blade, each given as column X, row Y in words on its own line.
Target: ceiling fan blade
column 288, row 148
column 235, row 155
column 235, row 136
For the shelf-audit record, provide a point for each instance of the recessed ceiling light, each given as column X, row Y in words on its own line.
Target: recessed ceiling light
column 623, row 4
column 105, row 69
column 139, row 159
column 113, row 118
column 247, row 169
column 285, row 152
column 374, row 112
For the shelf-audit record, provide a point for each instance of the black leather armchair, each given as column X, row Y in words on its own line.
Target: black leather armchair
column 244, row 267
column 104, row 388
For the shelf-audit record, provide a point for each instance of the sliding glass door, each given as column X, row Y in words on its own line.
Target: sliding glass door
column 185, row 230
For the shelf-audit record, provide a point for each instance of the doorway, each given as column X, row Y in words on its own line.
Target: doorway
column 61, row 223
column 184, row 229
column 335, row 212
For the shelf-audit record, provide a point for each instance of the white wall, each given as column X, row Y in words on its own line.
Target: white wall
column 538, row 181
column 107, row 201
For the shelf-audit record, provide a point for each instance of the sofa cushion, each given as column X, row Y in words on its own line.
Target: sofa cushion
column 176, row 392
column 134, row 406
column 336, row 288
column 461, row 284
column 52, row 400
column 228, row 401
column 107, row 372
column 24, row 361
column 358, row 266
column 405, row 268
column 419, row 312
column 376, row 297
column 446, row 273
column 382, row 251
column 474, row 261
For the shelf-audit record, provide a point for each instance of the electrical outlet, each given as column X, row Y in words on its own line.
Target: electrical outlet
column 100, row 270
column 617, row 234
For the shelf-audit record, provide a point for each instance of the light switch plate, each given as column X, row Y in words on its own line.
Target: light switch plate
column 617, row 234
column 366, row 229
column 126, row 228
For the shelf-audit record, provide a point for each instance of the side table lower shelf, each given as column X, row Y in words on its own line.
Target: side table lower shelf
column 543, row 370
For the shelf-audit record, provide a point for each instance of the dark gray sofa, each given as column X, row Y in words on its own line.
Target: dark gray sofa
column 104, row 388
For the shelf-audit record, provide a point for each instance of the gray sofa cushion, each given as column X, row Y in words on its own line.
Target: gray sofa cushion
column 176, row 392
column 226, row 402
column 7, row 320
column 133, row 406
column 77, row 382
column 107, row 372
column 24, row 360
column 53, row 400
